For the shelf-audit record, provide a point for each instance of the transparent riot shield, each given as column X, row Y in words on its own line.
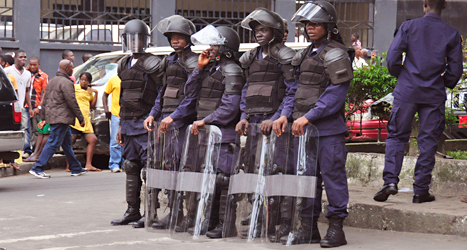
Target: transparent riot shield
column 161, row 178
column 246, row 199
column 299, row 190
column 196, row 182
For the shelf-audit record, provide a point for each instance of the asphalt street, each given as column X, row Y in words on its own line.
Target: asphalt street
column 66, row 212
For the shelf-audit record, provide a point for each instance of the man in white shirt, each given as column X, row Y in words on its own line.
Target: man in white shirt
column 358, row 62
column 23, row 80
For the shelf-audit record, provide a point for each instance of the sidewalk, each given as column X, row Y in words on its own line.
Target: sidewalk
column 57, row 161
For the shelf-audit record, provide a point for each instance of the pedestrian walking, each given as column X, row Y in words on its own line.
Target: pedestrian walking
column 59, row 110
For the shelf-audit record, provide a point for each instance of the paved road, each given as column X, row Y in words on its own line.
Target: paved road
column 67, row 212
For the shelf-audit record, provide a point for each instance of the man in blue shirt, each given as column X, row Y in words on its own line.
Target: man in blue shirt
column 433, row 62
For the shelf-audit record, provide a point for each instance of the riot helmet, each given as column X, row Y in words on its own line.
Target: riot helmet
column 135, row 36
column 176, row 24
column 267, row 18
column 319, row 12
column 227, row 39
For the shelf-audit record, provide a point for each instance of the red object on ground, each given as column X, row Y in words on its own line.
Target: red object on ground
column 462, row 121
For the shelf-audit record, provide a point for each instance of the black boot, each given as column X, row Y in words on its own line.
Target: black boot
column 139, row 223
column 308, row 233
column 335, row 236
column 226, row 226
column 286, row 208
column 162, row 224
column 183, row 223
column 283, row 230
column 131, row 215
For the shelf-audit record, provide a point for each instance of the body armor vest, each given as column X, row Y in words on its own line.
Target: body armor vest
column 176, row 77
column 210, row 95
column 138, row 92
column 266, row 87
column 312, row 81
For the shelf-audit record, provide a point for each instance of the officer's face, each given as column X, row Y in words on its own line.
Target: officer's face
column 263, row 34
column 178, row 41
column 315, row 31
column 213, row 52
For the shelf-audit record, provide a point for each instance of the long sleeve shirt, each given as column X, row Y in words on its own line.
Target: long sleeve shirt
column 433, row 59
column 285, row 108
column 184, row 114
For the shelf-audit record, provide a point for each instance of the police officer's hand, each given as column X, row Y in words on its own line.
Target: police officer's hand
column 266, row 127
column 196, row 124
column 149, row 123
column 82, row 123
column 165, row 124
column 242, row 127
column 204, row 59
column 297, row 126
column 120, row 137
column 279, row 125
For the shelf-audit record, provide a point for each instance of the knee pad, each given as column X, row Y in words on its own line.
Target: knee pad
column 132, row 168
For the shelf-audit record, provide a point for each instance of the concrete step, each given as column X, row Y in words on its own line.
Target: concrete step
column 445, row 215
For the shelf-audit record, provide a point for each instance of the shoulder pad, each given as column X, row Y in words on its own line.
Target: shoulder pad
column 234, row 77
column 300, row 56
column 189, row 61
column 282, row 53
column 338, row 65
column 122, row 63
column 150, row 63
column 247, row 58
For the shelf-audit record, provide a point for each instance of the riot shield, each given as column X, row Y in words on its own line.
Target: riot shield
column 196, row 182
column 161, row 178
column 246, row 199
column 301, row 188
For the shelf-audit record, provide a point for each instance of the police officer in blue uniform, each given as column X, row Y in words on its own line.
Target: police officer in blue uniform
column 433, row 62
column 141, row 75
column 167, row 107
column 268, row 93
column 324, row 73
column 217, row 87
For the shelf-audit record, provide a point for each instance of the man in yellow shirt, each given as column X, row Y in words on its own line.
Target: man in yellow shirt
column 113, row 87
column 86, row 98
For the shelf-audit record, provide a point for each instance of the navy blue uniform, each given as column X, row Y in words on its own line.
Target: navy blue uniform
column 328, row 118
column 433, row 62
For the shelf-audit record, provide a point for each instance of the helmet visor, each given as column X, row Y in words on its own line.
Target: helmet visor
column 208, row 36
column 135, row 43
column 262, row 17
column 311, row 12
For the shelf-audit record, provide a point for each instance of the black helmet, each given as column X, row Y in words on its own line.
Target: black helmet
column 176, row 24
column 135, row 36
column 232, row 40
column 316, row 12
column 319, row 12
column 267, row 18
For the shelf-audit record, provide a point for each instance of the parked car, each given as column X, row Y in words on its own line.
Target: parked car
column 103, row 66
column 11, row 135
column 365, row 127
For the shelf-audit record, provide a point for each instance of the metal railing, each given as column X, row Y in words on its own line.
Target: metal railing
column 221, row 13
column 354, row 16
column 89, row 21
column 7, row 31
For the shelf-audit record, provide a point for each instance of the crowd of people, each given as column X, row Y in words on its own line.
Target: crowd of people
column 271, row 85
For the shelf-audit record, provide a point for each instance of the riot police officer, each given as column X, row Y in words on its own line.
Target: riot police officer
column 141, row 74
column 217, row 88
column 268, row 94
column 324, row 72
column 167, row 107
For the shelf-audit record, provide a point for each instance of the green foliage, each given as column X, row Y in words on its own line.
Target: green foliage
column 372, row 82
column 460, row 155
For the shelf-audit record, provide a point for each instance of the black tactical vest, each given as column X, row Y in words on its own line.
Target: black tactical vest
column 312, row 81
column 266, row 87
column 176, row 77
column 138, row 92
column 210, row 95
